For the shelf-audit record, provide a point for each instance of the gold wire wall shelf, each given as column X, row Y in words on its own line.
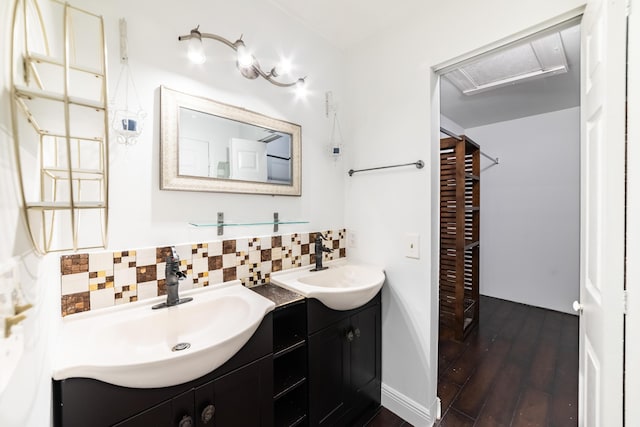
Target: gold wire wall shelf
column 60, row 124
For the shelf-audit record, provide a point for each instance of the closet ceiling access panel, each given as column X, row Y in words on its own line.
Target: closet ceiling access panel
column 537, row 58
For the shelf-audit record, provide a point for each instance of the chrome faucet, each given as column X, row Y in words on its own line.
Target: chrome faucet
column 172, row 276
column 320, row 248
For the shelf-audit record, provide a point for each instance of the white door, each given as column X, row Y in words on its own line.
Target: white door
column 602, row 213
column 632, row 325
column 248, row 159
column 193, row 157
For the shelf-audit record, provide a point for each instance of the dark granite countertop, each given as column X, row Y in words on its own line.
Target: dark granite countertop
column 280, row 296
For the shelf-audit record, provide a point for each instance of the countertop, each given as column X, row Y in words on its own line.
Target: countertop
column 278, row 295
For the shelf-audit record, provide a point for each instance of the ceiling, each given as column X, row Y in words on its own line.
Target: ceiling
column 543, row 95
column 347, row 23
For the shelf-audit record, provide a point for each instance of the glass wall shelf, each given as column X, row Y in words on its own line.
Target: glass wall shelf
column 220, row 223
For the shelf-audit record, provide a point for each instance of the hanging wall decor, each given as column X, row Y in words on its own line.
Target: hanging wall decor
column 336, row 141
column 127, row 121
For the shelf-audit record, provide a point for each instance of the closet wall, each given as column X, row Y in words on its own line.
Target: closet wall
column 451, row 125
column 530, row 209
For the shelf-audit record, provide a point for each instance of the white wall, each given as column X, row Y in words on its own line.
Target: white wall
column 25, row 400
column 142, row 215
column 530, row 209
column 394, row 97
column 138, row 208
column 450, row 125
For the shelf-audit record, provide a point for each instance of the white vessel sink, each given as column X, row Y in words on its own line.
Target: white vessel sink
column 132, row 346
column 343, row 286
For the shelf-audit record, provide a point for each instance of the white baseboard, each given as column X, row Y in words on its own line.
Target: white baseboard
column 407, row 408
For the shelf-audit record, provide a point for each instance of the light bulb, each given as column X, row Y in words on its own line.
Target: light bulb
column 245, row 59
column 283, row 68
column 196, row 51
column 301, row 88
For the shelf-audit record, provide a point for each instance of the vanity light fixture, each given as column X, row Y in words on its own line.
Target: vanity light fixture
column 247, row 63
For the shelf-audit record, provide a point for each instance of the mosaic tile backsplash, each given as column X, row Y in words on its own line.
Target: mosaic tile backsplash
column 104, row 279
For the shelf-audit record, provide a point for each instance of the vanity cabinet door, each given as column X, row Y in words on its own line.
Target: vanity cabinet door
column 159, row 416
column 177, row 412
column 328, row 374
column 345, row 366
column 366, row 358
column 240, row 398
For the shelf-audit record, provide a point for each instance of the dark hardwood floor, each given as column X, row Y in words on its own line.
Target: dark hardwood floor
column 519, row 367
column 386, row 418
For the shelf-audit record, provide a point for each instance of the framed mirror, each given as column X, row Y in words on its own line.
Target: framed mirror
column 206, row 145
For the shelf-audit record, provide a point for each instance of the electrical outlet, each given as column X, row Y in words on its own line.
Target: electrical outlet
column 412, row 245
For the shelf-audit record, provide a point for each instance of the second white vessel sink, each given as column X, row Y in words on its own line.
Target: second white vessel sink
column 342, row 286
column 139, row 347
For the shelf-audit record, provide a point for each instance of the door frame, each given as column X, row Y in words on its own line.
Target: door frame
column 632, row 379
column 632, row 329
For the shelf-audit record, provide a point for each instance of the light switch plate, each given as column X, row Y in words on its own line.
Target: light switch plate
column 352, row 239
column 412, row 245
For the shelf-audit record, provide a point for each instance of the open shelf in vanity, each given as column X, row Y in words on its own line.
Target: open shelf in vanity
column 290, row 365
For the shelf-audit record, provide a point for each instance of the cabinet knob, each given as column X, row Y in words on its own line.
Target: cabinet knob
column 207, row 413
column 357, row 332
column 349, row 335
column 186, row 421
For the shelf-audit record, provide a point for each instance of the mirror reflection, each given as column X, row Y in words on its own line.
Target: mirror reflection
column 216, row 147
column 206, row 145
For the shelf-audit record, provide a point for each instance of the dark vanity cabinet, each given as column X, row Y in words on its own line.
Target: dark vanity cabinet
column 238, row 393
column 233, row 399
column 238, row 398
column 344, row 363
column 306, row 365
column 290, row 365
column 175, row 412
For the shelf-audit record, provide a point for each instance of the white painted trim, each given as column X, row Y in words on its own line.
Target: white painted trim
column 407, row 408
column 565, row 18
column 438, row 70
column 632, row 344
column 434, row 153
